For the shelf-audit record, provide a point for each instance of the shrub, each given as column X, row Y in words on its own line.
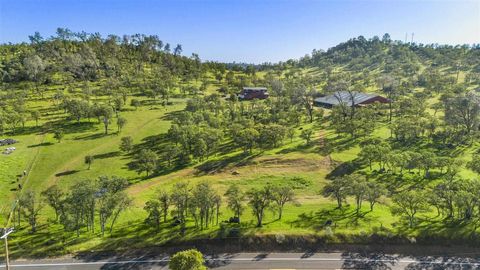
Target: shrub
column 190, row 259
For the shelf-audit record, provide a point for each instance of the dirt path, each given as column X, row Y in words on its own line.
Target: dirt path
column 33, row 161
column 25, row 179
column 321, row 139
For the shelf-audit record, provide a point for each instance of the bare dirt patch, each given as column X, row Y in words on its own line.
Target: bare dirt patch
column 275, row 162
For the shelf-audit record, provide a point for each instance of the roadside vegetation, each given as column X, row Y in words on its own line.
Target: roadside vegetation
column 124, row 142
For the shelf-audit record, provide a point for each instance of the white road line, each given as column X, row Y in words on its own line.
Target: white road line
column 247, row 260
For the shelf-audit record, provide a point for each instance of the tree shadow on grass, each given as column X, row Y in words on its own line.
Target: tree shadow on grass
column 327, row 217
column 345, row 168
column 93, row 136
column 40, row 144
column 439, row 230
column 52, row 240
column 127, row 240
column 65, row 173
column 51, row 110
column 170, row 116
column 395, row 181
column 153, row 142
column 340, row 143
column 24, row 131
column 45, row 242
column 226, row 148
column 74, row 127
column 218, row 165
column 107, row 155
column 312, row 147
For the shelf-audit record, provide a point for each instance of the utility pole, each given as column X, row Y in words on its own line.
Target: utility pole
column 412, row 37
column 6, row 232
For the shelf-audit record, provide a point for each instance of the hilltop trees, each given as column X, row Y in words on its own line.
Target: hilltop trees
column 90, row 65
column 304, row 97
column 35, row 71
column 463, row 112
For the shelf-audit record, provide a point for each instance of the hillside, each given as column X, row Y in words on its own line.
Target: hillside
column 109, row 129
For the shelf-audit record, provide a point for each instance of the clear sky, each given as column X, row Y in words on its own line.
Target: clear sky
column 251, row 31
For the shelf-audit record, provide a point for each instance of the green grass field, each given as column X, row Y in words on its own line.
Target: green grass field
column 51, row 162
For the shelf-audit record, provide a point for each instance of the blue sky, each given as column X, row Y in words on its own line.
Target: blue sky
column 251, row 31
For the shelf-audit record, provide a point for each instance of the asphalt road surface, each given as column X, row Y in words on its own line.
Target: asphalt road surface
column 263, row 261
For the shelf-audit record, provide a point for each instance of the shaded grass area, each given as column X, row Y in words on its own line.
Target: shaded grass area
column 316, row 218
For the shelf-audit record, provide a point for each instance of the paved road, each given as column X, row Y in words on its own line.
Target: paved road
column 263, row 261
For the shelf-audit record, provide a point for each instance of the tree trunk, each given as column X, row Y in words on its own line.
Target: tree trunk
column 102, row 221
column 114, row 220
column 259, row 219
column 391, row 112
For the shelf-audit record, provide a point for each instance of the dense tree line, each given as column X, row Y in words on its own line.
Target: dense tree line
column 202, row 204
column 81, row 207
